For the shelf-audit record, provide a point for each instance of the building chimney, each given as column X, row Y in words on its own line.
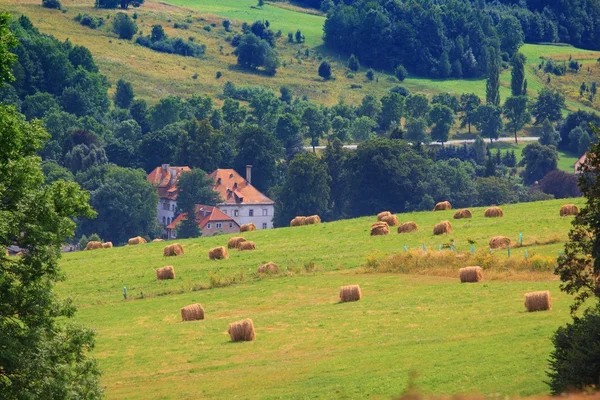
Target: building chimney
column 165, row 167
column 249, row 173
column 173, row 173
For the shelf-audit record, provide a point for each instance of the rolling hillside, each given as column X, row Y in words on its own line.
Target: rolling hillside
column 454, row 338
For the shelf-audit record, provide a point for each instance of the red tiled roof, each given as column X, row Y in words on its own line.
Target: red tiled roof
column 213, row 214
column 160, row 177
column 234, row 189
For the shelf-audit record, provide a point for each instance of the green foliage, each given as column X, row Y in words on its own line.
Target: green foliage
column 400, row 73
column 515, row 109
column 52, row 4
column 492, row 85
column 353, row 64
column 549, row 104
column 316, row 122
column 560, row 184
column 416, row 130
column 124, row 26
column 289, row 133
column 94, row 237
column 36, row 105
column 488, row 120
column 538, row 161
column 584, row 143
column 325, row 70
column 370, row 74
column 83, row 241
column 511, row 35
column 254, row 52
column 448, row 100
column 199, row 135
column 193, row 188
column 495, row 190
column 124, row 94
column 361, row 129
column 259, row 148
column 335, row 158
column 469, row 103
column 549, row 136
column 517, row 80
column 417, row 106
column 392, row 110
column 442, row 118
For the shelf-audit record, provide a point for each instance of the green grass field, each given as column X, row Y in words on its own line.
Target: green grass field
column 457, row 339
column 566, row 160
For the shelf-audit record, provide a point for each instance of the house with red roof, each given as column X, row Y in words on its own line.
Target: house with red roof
column 164, row 179
column 210, row 220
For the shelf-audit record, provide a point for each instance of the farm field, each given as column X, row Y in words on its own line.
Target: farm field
column 455, row 339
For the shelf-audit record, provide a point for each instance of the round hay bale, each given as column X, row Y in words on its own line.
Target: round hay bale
column 569, row 209
column 242, row 331
column 234, row 242
column 391, row 220
column 298, row 221
column 193, row 312
column 494, row 212
column 172, row 250
column 247, row 245
column 500, row 242
column 158, row 240
column 538, row 301
column 471, row 274
column 380, row 229
column 93, row 245
column 313, row 219
column 136, row 240
column 268, row 268
column 442, row 206
column 165, row 273
column 383, row 214
column 248, row 227
column 442, row 228
column 218, row 253
column 408, row 227
column 107, row 245
column 463, row 214
column 350, row 293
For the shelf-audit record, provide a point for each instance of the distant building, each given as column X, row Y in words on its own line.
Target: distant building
column 241, row 202
column 210, row 220
column 580, row 162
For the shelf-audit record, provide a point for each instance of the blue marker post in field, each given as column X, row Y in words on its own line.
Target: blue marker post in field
column 441, row 247
column 526, row 255
column 124, row 292
column 424, row 248
column 520, row 239
column 405, row 248
column 472, row 249
column 508, row 251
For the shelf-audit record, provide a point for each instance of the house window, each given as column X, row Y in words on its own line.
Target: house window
column 251, row 213
column 231, row 224
column 219, row 225
column 265, row 212
column 208, row 225
column 264, row 225
column 173, row 207
column 164, row 221
column 236, row 213
column 168, row 221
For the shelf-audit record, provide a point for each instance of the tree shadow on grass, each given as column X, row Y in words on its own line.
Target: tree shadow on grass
column 249, row 71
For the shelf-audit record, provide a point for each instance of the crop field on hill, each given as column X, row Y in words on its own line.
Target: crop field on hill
column 455, row 338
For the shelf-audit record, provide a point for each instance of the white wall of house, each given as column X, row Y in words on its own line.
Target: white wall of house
column 259, row 214
column 166, row 211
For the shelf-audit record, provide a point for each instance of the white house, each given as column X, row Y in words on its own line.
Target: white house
column 164, row 179
column 242, row 201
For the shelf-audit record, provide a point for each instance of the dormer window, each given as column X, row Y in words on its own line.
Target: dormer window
column 230, row 176
column 235, row 185
column 218, row 181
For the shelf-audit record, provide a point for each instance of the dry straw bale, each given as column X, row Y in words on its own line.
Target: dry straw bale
column 383, row 214
column 494, row 212
column 165, row 273
column 313, row 219
column 569, row 209
column 174, row 249
column 471, row 274
column 268, row 268
column 218, row 253
column 391, row 220
column 350, row 293
column 234, row 242
column 158, row 240
column 463, row 214
column 538, row 301
column 192, row 312
column 107, row 245
column 93, row 245
column 247, row 245
column 443, row 205
column 408, row 227
column 500, row 242
column 442, row 228
column 248, row 227
column 136, row 240
column 242, row 331
column 298, row 221
column 380, row 229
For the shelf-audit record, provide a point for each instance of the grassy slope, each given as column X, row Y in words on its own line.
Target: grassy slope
column 457, row 338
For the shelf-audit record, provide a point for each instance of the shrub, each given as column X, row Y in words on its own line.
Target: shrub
column 401, row 72
column 325, row 70
column 560, row 184
column 401, row 90
column 178, row 25
column 207, row 28
column 370, row 74
column 124, row 26
column 219, row 74
column 94, row 237
column 51, row 4
column 226, row 24
column 83, row 242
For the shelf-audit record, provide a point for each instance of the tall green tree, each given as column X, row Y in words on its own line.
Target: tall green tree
column 392, row 110
column 538, row 160
column 488, row 119
column 442, row 118
column 469, row 102
column 549, row 104
column 259, row 148
column 317, row 124
column 124, row 26
column 335, row 158
column 124, row 94
column 353, row 64
column 199, row 135
column 289, row 133
column 515, row 109
column 193, row 187
column 549, row 136
column 517, row 77
column 325, row 70
column 492, row 86
column 417, row 106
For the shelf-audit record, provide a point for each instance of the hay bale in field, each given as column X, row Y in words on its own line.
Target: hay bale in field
column 158, row 240
column 234, row 242
column 172, row 250
column 463, row 214
column 193, row 312
column 242, row 331
column 268, row 268
column 380, row 229
column 443, row 205
column 93, row 245
column 248, row 227
column 442, row 228
column 136, row 240
column 313, row 219
column 298, row 221
column 494, row 212
column 569, row 209
column 391, row 220
column 408, row 227
column 350, row 293
column 383, row 214
column 247, row 245
column 471, row 274
column 165, row 273
column 218, row 253
column 107, row 245
column 538, row 301
column 500, row 242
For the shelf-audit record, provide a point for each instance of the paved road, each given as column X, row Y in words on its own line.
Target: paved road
column 450, row 142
